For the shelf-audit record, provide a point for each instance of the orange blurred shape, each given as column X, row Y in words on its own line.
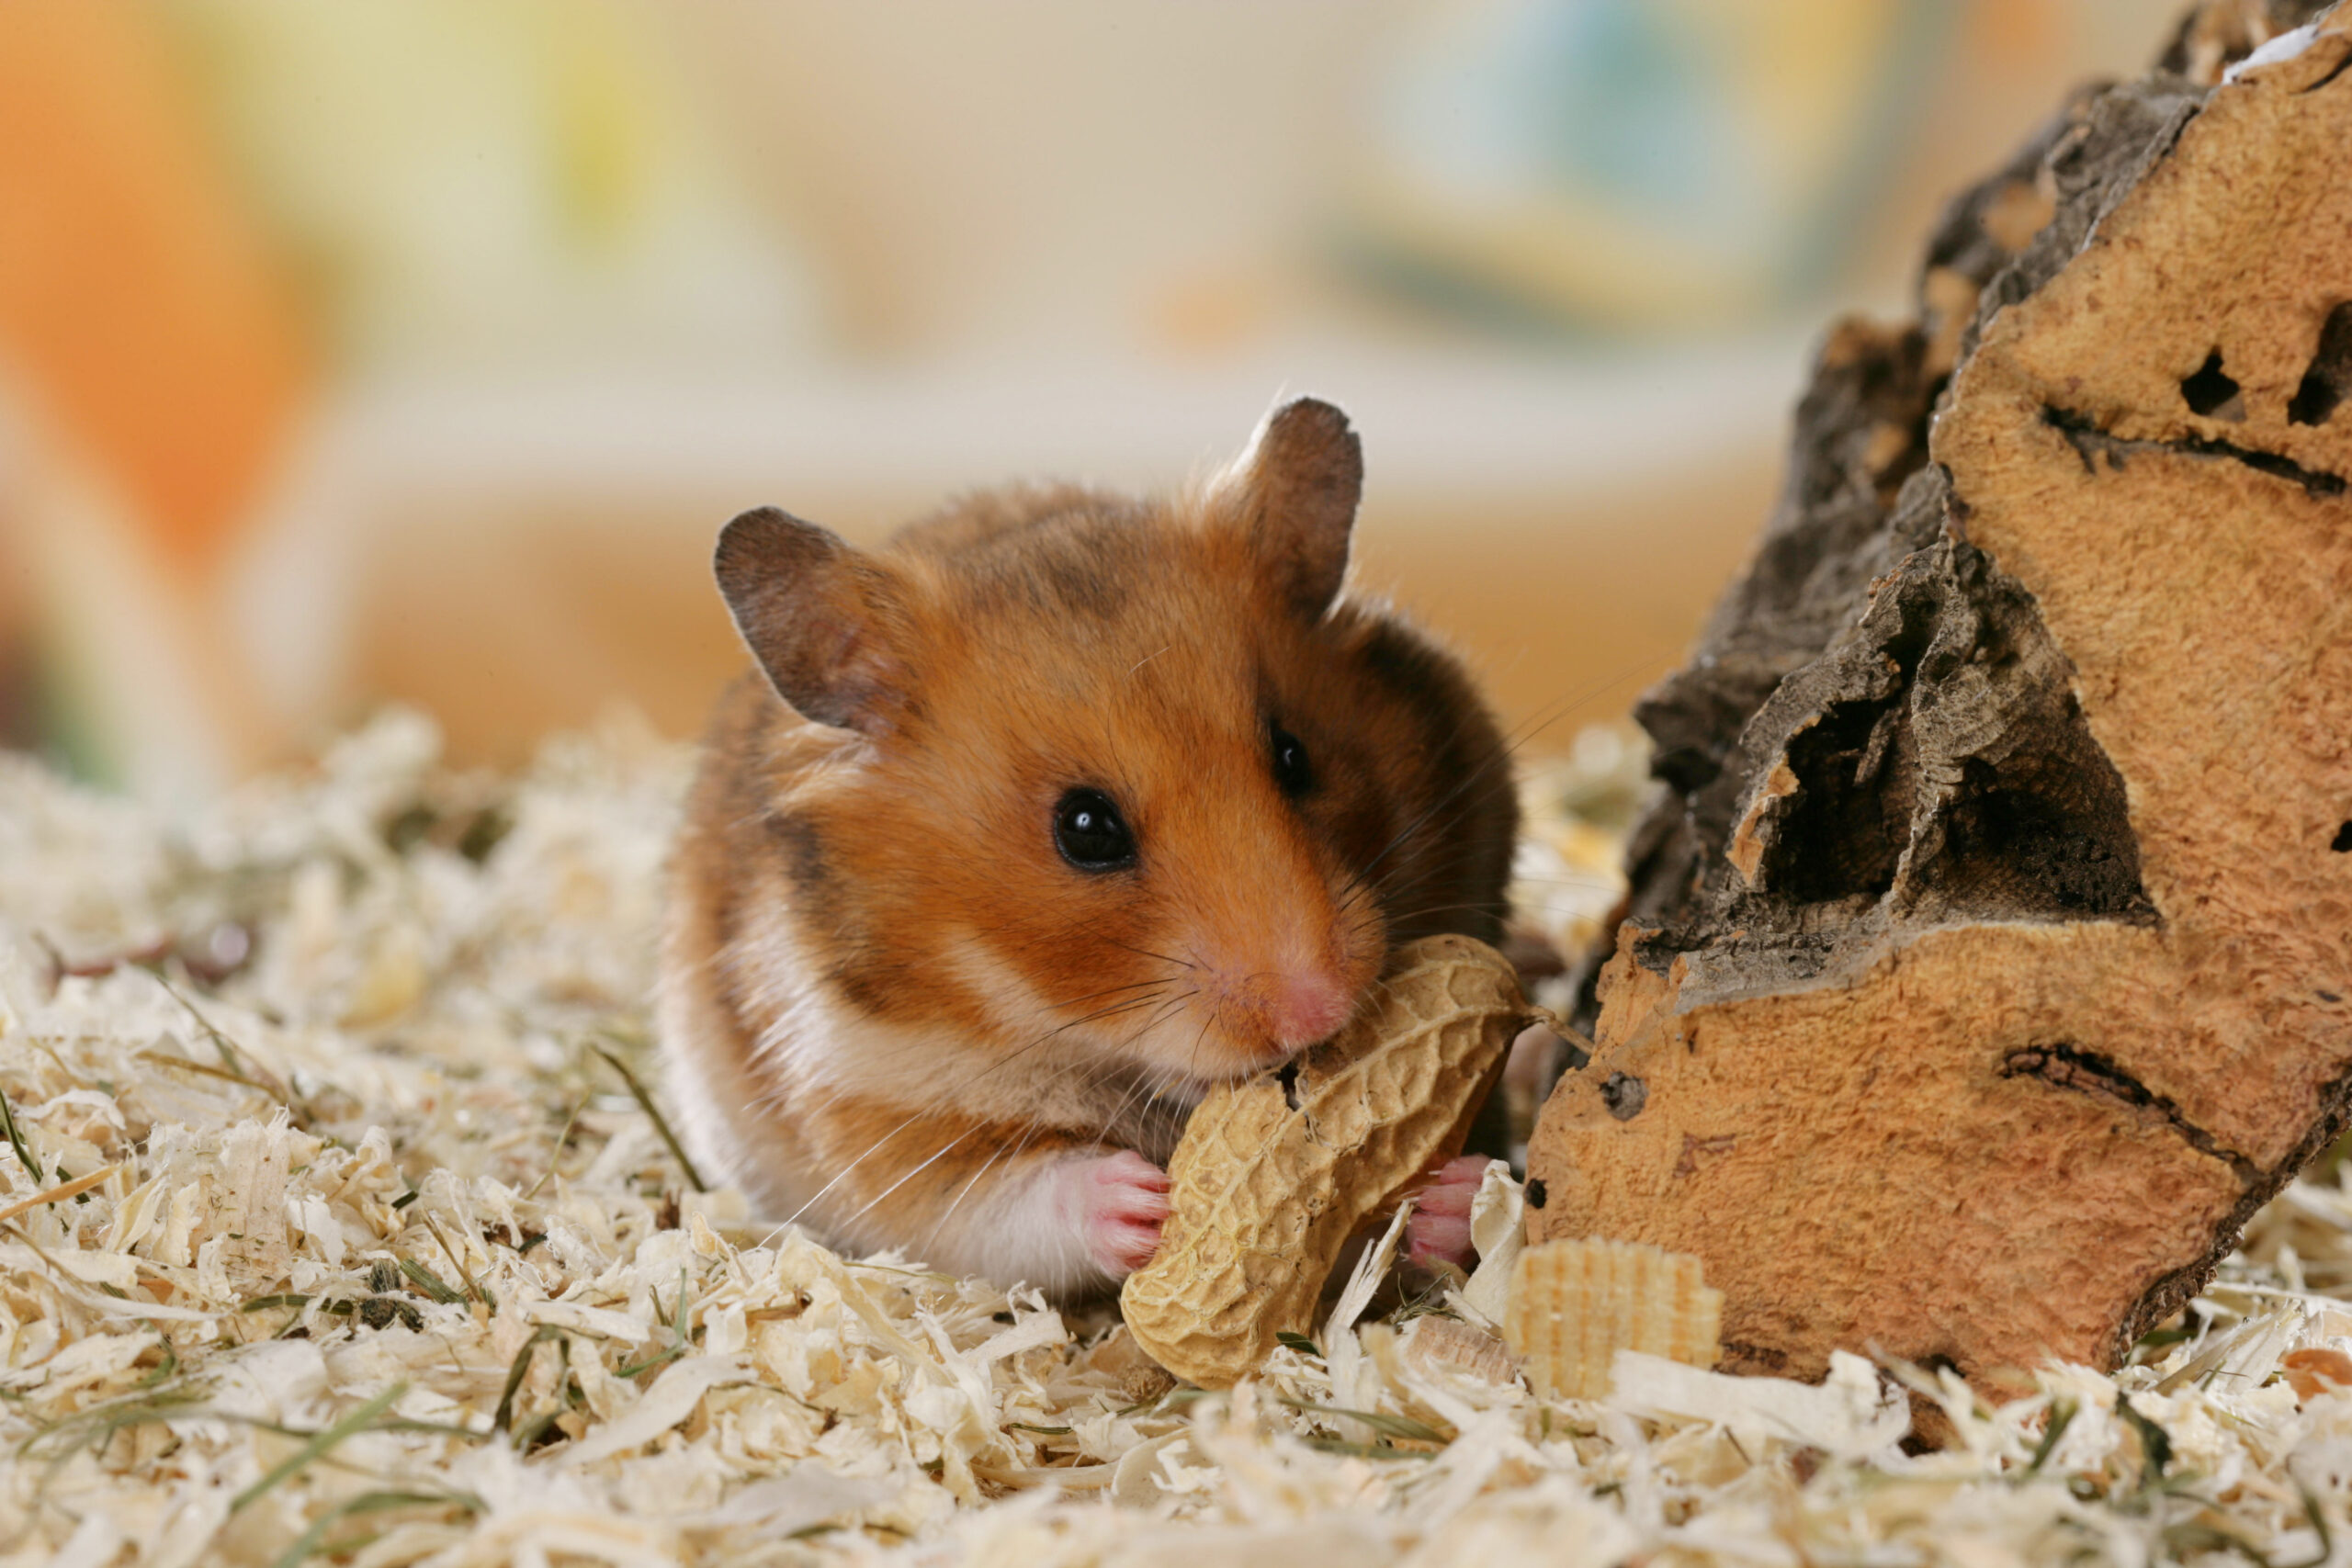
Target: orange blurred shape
column 136, row 300
column 2015, row 30
column 2316, row 1371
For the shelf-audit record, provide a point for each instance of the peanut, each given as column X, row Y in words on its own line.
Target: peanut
column 1274, row 1173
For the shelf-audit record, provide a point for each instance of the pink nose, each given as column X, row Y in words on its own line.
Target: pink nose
column 1307, row 1007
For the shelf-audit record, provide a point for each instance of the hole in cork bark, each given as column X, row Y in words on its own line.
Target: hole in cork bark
column 1844, row 835
column 2212, row 391
column 1537, row 1196
column 2067, row 1066
column 2330, row 376
column 1625, row 1096
column 2070, row 1068
column 2049, row 834
column 2342, row 843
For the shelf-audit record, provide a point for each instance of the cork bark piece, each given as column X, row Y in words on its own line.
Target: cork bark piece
column 1991, row 949
column 1274, row 1173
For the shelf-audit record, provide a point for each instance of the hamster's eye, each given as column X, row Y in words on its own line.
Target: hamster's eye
column 1292, row 774
column 1090, row 833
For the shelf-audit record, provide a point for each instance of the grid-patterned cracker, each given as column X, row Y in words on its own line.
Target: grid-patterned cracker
column 1574, row 1304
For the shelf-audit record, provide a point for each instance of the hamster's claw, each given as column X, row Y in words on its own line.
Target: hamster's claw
column 1124, row 1200
column 1439, row 1231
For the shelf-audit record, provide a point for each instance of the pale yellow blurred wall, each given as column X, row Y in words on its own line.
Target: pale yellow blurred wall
column 1048, row 237
column 969, row 181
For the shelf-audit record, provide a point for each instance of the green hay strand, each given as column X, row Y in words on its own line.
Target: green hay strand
column 312, row 1540
column 432, row 1284
column 517, row 1370
column 457, row 1264
column 556, row 1158
column 2062, row 1415
column 325, row 1442
column 653, row 1112
column 1366, row 1450
column 16, row 1140
column 1403, row 1426
column 233, row 1062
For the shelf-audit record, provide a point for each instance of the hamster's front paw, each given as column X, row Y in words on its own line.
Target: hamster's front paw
column 1439, row 1231
column 1123, row 1198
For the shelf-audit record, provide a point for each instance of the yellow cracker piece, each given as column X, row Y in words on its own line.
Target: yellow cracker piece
column 1574, row 1304
column 1275, row 1172
column 1448, row 1344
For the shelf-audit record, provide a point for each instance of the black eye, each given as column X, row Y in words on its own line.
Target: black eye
column 1090, row 833
column 1292, row 772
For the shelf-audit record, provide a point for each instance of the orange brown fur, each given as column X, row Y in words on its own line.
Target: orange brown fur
column 891, row 1004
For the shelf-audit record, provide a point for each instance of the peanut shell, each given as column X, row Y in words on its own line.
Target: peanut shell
column 1274, row 1173
column 1574, row 1304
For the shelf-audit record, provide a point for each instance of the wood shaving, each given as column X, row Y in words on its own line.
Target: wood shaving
column 383, row 1265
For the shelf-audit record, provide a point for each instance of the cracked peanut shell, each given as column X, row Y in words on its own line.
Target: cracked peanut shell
column 1275, row 1172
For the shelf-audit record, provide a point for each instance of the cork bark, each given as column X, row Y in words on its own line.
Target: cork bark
column 1989, row 956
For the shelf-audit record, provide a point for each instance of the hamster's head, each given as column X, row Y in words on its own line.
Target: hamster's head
column 1114, row 783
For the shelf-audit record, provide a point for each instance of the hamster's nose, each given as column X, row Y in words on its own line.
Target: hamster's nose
column 1307, row 1006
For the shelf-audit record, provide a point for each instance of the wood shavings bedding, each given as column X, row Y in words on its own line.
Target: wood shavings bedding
column 339, row 1241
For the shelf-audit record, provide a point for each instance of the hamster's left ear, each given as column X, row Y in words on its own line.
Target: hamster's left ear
column 1295, row 492
column 825, row 620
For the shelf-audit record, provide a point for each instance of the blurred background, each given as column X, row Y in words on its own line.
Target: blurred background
column 416, row 349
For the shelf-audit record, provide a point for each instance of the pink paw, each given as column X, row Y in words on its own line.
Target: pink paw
column 1123, row 1199
column 1439, row 1232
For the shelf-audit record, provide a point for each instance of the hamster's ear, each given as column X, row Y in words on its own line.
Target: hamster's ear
column 1296, row 491
column 824, row 620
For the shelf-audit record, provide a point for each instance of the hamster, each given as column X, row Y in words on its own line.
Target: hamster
column 1031, row 827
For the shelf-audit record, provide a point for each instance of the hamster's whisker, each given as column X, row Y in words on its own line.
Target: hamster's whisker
column 1015, row 1149
column 1394, row 893
column 1112, row 1009
column 845, row 1172
column 1483, row 774
column 1427, row 910
column 1108, row 991
column 1382, row 880
column 1430, row 813
column 1135, row 1092
column 945, row 1150
column 944, row 1100
column 848, row 1091
column 1193, row 1063
column 956, row 1202
column 1124, row 1008
column 1542, row 719
column 1168, row 1007
column 1147, row 952
column 1559, row 707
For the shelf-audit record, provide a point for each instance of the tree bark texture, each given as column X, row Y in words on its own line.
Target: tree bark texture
column 1989, row 956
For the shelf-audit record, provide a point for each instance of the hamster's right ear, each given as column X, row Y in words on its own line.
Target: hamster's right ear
column 1295, row 490
column 825, row 620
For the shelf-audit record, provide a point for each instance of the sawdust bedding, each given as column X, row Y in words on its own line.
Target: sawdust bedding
column 332, row 1231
